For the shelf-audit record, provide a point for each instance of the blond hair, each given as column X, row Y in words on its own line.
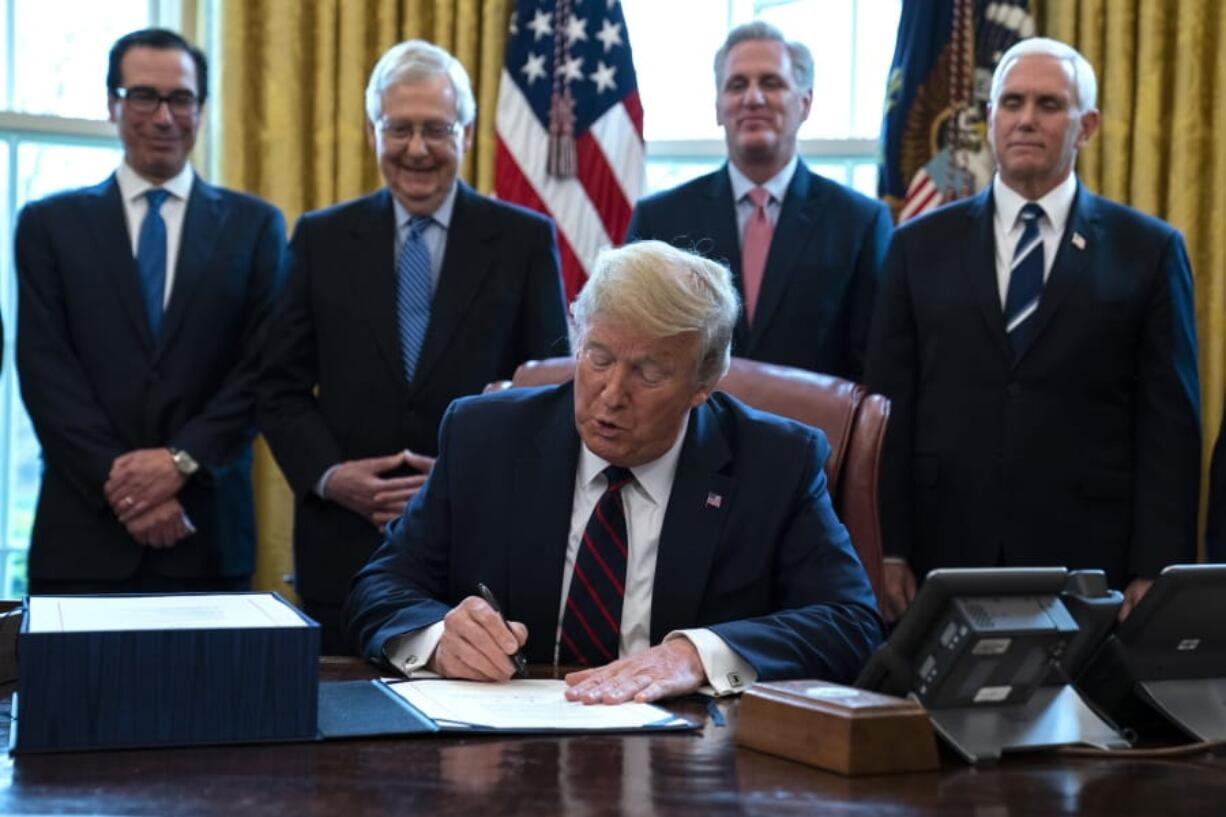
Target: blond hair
column 663, row 291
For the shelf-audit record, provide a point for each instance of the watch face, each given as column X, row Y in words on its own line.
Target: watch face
column 184, row 462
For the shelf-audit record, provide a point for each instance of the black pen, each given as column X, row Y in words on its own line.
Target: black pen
column 521, row 663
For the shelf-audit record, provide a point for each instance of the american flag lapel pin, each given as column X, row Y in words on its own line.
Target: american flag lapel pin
column 714, row 500
column 1079, row 241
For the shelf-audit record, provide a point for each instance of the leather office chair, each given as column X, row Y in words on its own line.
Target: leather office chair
column 853, row 419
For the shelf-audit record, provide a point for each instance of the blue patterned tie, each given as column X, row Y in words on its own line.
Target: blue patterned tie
column 151, row 259
column 591, row 625
column 1025, row 277
column 414, row 290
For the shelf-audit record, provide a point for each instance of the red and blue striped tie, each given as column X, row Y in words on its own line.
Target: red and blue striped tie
column 591, row 625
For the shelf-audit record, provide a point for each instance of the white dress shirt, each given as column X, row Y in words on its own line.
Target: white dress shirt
column 1008, row 226
column 776, row 186
column 132, row 189
column 645, row 501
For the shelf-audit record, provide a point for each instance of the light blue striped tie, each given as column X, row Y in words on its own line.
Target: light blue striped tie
column 1025, row 277
column 414, row 290
column 151, row 259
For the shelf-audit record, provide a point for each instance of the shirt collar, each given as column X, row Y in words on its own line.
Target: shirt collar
column 776, row 185
column 1056, row 203
column 655, row 477
column 132, row 185
column 441, row 216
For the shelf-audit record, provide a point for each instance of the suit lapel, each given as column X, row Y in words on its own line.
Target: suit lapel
column 369, row 264
column 797, row 218
column 700, row 501
column 1082, row 236
column 469, row 257
column 202, row 228
column 979, row 264
column 109, row 224
column 542, row 497
column 719, row 218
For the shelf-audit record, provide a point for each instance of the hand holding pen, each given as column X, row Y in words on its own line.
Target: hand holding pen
column 478, row 643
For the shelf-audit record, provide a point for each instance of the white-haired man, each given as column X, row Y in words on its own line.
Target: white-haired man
column 805, row 252
column 1039, row 346
column 634, row 522
column 396, row 304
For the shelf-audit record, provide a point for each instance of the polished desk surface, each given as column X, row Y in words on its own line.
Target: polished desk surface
column 700, row 773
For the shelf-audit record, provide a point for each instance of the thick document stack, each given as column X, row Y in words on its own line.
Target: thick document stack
column 838, row 728
column 134, row 670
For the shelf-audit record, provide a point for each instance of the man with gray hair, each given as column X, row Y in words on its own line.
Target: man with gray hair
column 804, row 251
column 396, row 304
column 633, row 522
column 1038, row 345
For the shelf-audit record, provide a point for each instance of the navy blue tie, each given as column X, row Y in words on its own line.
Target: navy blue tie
column 591, row 625
column 151, row 259
column 414, row 290
column 1025, row 277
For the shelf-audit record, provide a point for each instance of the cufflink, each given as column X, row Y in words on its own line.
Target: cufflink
column 734, row 679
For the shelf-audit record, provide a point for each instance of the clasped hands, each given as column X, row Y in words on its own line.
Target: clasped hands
column 141, row 489
column 477, row 644
column 360, row 486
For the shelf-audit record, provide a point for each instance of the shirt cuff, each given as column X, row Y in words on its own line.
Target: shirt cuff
column 412, row 651
column 322, row 485
column 727, row 672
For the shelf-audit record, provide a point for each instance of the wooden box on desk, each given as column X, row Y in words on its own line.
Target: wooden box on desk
column 143, row 670
column 837, row 728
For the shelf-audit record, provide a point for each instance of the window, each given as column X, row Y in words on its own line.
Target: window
column 53, row 135
column 674, row 43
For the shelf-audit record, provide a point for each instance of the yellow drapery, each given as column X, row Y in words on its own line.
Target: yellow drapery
column 1161, row 68
column 292, row 76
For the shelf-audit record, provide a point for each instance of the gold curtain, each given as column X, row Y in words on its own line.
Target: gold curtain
column 292, row 76
column 1161, row 71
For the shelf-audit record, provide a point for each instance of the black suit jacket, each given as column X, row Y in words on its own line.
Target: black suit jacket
column 1085, row 450
column 1215, row 527
column 334, row 387
column 768, row 567
column 816, row 301
column 98, row 385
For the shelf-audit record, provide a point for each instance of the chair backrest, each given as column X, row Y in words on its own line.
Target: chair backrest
column 853, row 420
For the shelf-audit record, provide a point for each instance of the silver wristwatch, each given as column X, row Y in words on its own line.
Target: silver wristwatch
column 184, row 462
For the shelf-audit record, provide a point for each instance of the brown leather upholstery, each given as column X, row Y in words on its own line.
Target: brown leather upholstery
column 854, row 422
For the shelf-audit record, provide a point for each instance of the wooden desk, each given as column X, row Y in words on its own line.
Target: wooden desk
column 680, row 774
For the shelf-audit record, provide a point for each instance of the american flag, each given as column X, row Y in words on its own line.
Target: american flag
column 570, row 125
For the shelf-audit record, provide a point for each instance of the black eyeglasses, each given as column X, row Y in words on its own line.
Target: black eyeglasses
column 143, row 99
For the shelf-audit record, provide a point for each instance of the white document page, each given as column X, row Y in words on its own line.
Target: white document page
column 522, row 704
column 88, row 614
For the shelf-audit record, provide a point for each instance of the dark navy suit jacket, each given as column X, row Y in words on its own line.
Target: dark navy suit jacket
column 1215, row 526
column 334, row 387
column 1084, row 450
column 97, row 384
column 769, row 568
column 816, row 301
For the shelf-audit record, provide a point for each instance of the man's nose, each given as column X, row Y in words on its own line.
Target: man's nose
column 614, row 390
column 162, row 114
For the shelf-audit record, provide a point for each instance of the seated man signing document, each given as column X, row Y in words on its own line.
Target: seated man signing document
column 633, row 522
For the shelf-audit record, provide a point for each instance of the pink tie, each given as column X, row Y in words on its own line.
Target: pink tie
column 757, row 244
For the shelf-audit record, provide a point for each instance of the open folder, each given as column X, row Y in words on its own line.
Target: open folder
column 362, row 708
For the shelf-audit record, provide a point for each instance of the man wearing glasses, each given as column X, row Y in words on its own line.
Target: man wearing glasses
column 141, row 304
column 396, row 304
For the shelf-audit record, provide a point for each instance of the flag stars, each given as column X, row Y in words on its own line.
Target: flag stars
column 541, row 25
column 610, row 34
column 576, row 29
column 534, row 68
column 603, row 77
column 572, row 69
